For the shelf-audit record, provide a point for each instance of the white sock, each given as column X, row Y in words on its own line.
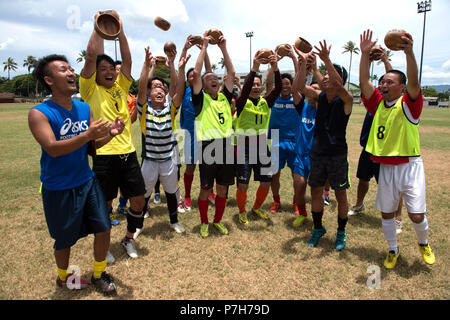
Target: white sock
column 422, row 231
column 390, row 233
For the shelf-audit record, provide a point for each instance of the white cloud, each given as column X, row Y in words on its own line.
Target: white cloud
column 5, row 44
column 446, row 65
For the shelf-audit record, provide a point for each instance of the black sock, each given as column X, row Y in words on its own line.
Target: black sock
column 317, row 219
column 342, row 223
column 172, row 207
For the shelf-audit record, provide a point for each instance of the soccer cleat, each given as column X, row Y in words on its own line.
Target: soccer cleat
column 341, row 238
column 221, row 227
column 398, row 226
column 391, row 259
column 299, row 221
column 212, row 198
column 157, row 198
column 315, row 236
column 114, row 220
column 72, row 282
column 177, row 227
column 130, row 247
column 204, row 232
column 110, row 258
column 275, row 207
column 180, row 208
column 260, row 214
column 105, row 283
column 326, row 200
column 243, row 218
column 187, row 204
column 356, row 209
column 427, row 254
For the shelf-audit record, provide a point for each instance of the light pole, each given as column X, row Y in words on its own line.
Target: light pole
column 250, row 35
column 423, row 7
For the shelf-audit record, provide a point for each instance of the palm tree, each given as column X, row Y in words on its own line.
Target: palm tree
column 30, row 62
column 351, row 47
column 10, row 64
column 222, row 63
column 81, row 56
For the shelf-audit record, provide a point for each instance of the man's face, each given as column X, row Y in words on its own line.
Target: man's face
column 157, row 84
column 157, row 96
column 286, row 87
column 256, row 88
column 61, row 77
column 391, row 88
column 190, row 77
column 106, row 74
column 210, row 83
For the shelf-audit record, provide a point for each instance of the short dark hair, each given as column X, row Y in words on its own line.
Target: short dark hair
column 258, row 75
column 117, row 62
column 400, row 74
column 342, row 72
column 42, row 70
column 150, row 81
column 287, row 76
column 187, row 73
column 105, row 57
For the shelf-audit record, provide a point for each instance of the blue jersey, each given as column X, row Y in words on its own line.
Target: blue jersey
column 284, row 116
column 70, row 170
column 187, row 114
column 305, row 135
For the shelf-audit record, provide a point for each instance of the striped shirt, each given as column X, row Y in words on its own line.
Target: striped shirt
column 159, row 143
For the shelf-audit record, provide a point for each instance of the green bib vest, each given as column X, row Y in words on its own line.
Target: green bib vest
column 215, row 120
column 253, row 120
column 392, row 134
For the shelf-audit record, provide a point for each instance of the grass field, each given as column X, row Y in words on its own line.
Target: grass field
column 264, row 260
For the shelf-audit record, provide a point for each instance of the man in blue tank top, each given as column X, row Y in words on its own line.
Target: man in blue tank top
column 73, row 201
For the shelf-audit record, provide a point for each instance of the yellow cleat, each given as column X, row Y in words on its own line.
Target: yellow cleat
column 299, row 221
column 204, row 232
column 260, row 214
column 391, row 260
column 243, row 218
column 427, row 254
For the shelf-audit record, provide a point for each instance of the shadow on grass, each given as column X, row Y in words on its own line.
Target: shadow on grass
column 255, row 223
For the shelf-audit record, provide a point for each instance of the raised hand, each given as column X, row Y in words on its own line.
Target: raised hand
column 117, row 127
column 98, row 129
column 148, row 56
column 324, row 51
column 183, row 61
column 365, row 42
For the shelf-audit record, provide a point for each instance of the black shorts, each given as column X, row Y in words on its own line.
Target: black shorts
column 216, row 163
column 333, row 168
column 119, row 172
column 367, row 168
column 248, row 160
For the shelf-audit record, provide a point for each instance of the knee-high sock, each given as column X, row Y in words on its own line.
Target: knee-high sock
column 241, row 199
column 188, row 178
column 220, row 208
column 172, row 205
column 422, row 231
column 203, row 208
column 390, row 233
column 261, row 195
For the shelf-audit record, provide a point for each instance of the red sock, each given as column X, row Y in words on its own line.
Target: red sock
column 241, row 199
column 203, row 208
column 276, row 198
column 302, row 210
column 261, row 195
column 188, row 178
column 220, row 208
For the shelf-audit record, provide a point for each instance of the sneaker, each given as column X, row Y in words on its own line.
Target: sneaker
column 356, row 209
column 299, row 221
column 296, row 209
column 114, row 220
column 110, row 258
column 105, row 283
column 260, row 214
column 398, row 226
column 212, row 198
column 72, row 282
column 146, row 214
column 341, row 238
column 315, row 236
column 326, row 200
column 137, row 233
column 122, row 210
column 187, row 204
column 204, row 232
column 243, row 218
column 221, row 227
column 130, row 247
column 177, row 227
column 427, row 254
column 180, row 208
column 157, row 198
column 391, row 259
column 275, row 207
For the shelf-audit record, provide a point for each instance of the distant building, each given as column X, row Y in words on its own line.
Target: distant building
column 6, row 97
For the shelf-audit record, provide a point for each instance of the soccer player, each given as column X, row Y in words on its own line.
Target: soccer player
column 253, row 113
column 394, row 143
column 73, row 201
column 329, row 155
column 116, row 164
column 214, row 130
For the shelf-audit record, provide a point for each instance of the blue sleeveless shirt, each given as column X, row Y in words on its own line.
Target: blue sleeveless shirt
column 284, row 116
column 305, row 135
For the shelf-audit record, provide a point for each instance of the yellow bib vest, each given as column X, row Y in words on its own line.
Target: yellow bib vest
column 392, row 134
column 215, row 120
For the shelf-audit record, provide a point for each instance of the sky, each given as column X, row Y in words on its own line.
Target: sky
column 39, row 28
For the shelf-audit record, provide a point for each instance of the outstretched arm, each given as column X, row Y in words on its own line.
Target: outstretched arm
column 412, row 72
column 366, row 44
column 94, row 48
column 229, row 82
column 143, row 79
column 125, row 54
column 181, row 81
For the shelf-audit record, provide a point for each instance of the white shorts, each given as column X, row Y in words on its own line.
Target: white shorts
column 166, row 171
column 405, row 180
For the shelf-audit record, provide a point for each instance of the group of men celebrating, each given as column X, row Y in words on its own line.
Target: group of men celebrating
column 297, row 122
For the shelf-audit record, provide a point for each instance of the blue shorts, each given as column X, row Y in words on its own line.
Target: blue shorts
column 282, row 154
column 302, row 165
column 74, row 213
column 190, row 147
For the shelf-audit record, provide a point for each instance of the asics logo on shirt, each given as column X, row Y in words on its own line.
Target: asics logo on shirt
column 308, row 121
column 74, row 127
column 284, row 106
